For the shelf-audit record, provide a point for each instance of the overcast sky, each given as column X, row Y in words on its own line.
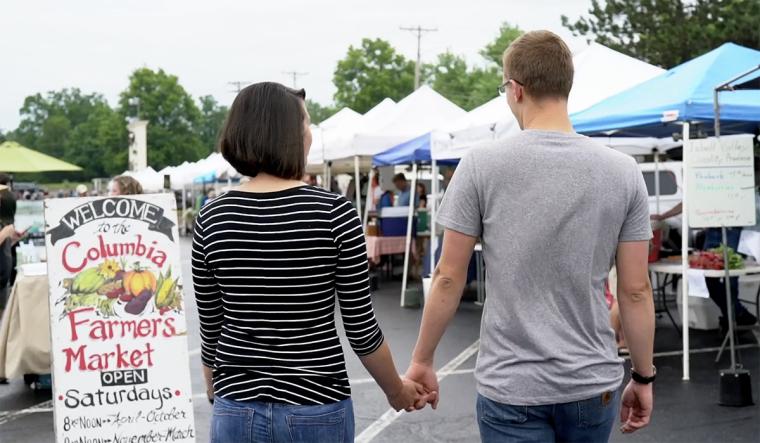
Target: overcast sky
column 95, row 45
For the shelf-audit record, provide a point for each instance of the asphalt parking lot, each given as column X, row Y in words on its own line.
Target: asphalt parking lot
column 684, row 411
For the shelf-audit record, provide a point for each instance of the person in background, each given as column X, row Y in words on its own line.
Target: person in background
column 269, row 261
column 547, row 368
column 7, row 249
column 310, row 179
column 7, row 234
column 716, row 286
column 375, row 190
column 421, row 196
column 124, row 185
column 81, row 190
column 402, row 186
column 208, row 197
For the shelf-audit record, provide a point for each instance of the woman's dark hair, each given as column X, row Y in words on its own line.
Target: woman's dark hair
column 264, row 131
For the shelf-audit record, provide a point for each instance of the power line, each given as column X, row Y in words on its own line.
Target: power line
column 295, row 75
column 419, row 30
column 238, row 85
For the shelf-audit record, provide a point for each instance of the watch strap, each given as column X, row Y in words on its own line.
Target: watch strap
column 638, row 378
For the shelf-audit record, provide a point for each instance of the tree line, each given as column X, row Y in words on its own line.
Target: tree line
column 84, row 129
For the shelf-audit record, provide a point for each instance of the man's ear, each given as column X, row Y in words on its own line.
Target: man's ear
column 518, row 94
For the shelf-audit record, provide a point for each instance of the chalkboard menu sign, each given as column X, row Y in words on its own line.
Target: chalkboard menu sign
column 721, row 182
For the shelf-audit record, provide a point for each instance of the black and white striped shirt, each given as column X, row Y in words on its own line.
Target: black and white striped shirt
column 266, row 269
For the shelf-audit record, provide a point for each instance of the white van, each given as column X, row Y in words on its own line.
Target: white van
column 671, row 188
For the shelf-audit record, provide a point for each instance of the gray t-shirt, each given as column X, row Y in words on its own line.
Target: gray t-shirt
column 551, row 208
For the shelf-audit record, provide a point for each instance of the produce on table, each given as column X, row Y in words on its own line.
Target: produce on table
column 713, row 259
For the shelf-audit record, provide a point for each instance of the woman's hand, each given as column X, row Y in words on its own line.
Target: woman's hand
column 208, row 376
column 410, row 397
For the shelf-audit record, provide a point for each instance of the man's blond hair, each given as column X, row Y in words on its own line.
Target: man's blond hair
column 542, row 63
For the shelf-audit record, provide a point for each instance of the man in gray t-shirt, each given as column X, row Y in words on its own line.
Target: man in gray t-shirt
column 554, row 210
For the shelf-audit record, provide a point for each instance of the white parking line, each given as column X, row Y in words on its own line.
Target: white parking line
column 391, row 415
column 700, row 351
column 45, row 406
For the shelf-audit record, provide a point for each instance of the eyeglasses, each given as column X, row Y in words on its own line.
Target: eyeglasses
column 503, row 88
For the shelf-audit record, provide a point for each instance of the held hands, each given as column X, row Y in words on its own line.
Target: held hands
column 424, row 374
column 636, row 410
column 411, row 397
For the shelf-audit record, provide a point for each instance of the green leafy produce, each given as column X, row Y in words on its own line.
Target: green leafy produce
column 735, row 261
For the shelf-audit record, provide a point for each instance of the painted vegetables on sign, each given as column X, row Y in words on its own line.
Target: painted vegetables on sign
column 109, row 286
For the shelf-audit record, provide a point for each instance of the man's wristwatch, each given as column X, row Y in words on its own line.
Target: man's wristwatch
column 638, row 378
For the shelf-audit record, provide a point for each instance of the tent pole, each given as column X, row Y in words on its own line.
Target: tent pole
column 408, row 243
column 433, row 208
column 685, row 256
column 184, row 209
column 724, row 232
column 357, row 186
column 657, row 180
column 328, row 185
column 368, row 201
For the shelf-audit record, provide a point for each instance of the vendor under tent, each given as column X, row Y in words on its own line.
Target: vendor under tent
column 19, row 159
column 672, row 104
column 413, row 152
column 387, row 125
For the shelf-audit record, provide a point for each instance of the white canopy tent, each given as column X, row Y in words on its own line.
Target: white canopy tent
column 335, row 130
column 418, row 113
column 600, row 72
column 149, row 179
column 387, row 125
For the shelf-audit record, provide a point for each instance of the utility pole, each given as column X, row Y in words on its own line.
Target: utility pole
column 419, row 30
column 238, row 85
column 295, row 75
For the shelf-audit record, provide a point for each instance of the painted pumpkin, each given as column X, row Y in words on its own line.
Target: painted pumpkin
column 137, row 281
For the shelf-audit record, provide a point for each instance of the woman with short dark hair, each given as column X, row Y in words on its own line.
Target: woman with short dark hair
column 268, row 260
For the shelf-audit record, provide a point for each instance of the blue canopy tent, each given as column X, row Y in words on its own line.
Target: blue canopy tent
column 674, row 101
column 415, row 152
column 681, row 94
column 209, row 177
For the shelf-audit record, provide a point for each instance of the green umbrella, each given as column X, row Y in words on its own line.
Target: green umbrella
column 17, row 158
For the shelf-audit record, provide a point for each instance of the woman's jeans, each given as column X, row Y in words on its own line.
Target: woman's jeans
column 589, row 420
column 253, row 421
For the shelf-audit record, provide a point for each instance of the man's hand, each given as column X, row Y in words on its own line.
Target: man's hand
column 636, row 410
column 424, row 374
column 410, row 397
